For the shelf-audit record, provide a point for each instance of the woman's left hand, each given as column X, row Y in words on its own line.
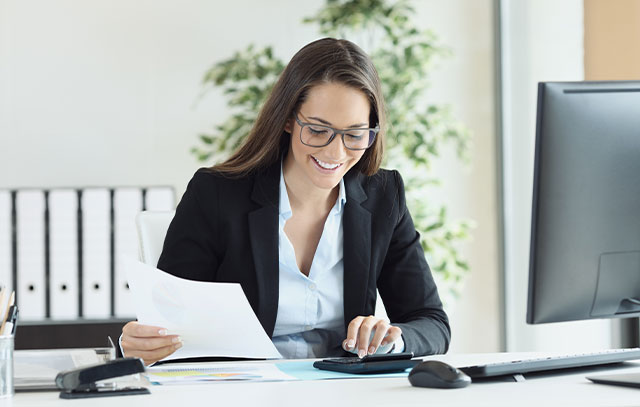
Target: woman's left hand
column 360, row 338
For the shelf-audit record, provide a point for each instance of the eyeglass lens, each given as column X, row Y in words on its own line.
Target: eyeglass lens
column 319, row 136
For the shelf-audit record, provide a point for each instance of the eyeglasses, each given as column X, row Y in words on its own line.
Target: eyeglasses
column 318, row 135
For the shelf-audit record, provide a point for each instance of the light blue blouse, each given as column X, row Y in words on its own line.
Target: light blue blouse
column 310, row 320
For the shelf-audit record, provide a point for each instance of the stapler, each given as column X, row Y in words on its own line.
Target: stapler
column 82, row 382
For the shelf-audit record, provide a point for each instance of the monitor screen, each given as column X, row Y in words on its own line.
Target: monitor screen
column 585, row 227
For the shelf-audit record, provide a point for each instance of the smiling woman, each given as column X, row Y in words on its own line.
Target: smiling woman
column 309, row 225
column 316, row 160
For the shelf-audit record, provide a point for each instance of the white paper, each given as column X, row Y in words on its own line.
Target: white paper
column 213, row 319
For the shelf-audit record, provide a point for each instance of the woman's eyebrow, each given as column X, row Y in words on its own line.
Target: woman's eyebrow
column 358, row 125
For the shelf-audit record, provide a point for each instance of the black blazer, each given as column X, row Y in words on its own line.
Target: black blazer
column 226, row 230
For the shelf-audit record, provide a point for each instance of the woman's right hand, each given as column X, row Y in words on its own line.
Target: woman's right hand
column 149, row 343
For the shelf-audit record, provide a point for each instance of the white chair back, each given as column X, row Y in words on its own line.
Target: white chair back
column 152, row 228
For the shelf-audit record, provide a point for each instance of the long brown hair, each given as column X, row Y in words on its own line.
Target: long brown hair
column 322, row 61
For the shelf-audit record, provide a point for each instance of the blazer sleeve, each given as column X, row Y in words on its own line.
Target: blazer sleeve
column 408, row 290
column 189, row 247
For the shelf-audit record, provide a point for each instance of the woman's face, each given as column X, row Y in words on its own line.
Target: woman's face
column 337, row 106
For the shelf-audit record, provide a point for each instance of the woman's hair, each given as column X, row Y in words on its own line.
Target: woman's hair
column 327, row 60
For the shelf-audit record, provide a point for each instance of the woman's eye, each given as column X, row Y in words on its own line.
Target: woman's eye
column 318, row 131
column 354, row 136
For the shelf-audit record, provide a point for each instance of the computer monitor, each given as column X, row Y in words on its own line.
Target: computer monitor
column 585, row 227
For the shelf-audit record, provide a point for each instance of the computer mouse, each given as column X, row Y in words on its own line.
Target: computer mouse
column 433, row 373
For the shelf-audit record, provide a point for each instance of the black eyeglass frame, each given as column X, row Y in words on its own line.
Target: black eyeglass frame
column 335, row 132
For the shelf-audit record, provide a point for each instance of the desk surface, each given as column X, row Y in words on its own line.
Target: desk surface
column 556, row 389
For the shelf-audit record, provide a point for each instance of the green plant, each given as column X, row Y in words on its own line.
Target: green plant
column 417, row 130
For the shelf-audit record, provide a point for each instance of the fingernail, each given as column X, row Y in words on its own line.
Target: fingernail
column 177, row 345
column 176, row 339
column 383, row 343
column 351, row 343
column 362, row 353
column 162, row 332
column 371, row 350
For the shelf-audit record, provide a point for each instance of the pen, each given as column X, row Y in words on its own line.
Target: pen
column 10, row 326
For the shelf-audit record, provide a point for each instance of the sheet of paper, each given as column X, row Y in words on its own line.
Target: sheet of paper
column 213, row 319
column 215, row 372
column 289, row 370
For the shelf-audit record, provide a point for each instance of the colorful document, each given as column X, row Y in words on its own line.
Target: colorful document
column 219, row 372
column 215, row 372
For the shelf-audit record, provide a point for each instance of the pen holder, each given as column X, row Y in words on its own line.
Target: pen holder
column 6, row 366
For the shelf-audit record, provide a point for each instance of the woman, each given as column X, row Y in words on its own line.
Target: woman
column 302, row 217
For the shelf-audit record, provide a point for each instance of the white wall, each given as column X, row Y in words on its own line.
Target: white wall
column 542, row 41
column 107, row 93
column 465, row 80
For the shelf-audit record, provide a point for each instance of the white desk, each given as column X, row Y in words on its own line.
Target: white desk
column 550, row 390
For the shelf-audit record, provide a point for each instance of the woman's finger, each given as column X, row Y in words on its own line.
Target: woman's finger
column 135, row 328
column 349, row 344
column 364, row 335
column 393, row 333
column 149, row 343
column 155, row 355
column 380, row 331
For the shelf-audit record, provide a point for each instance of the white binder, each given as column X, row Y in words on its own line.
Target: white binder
column 63, row 253
column 6, row 271
column 30, row 206
column 96, row 253
column 160, row 199
column 127, row 203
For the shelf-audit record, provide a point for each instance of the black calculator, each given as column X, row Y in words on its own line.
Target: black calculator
column 383, row 363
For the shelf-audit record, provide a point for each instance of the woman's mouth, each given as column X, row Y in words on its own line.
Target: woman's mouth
column 326, row 166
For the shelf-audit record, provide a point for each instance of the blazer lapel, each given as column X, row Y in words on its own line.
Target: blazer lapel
column 357, row 248
column 263, row 234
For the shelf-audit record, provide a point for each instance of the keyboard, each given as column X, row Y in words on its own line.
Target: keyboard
column 516, row 367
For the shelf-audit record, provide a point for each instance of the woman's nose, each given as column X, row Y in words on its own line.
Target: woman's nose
column 336, row 149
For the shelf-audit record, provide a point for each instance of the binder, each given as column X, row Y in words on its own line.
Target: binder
column 96, row 253
column 63, row 253
column 30, row 223
column 160, row 199
column 6, row 263
column 127, row 202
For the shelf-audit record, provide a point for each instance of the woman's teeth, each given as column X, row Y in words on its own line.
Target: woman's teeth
column 326, row 165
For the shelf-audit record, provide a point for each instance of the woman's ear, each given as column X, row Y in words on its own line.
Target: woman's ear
column 288, row 126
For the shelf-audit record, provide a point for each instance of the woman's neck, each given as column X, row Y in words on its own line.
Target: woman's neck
column 307, row 197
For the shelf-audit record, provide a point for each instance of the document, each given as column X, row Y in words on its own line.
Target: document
column 213, row 319
column 188, row 373
column 287, row 370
